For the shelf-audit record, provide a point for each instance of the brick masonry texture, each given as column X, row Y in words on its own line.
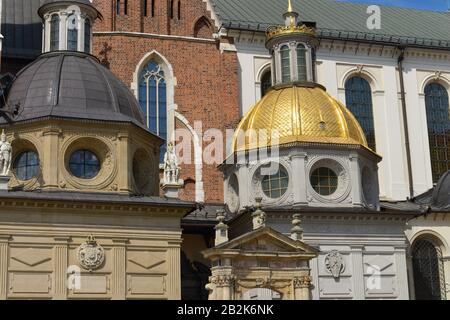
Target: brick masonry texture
column 206, row 79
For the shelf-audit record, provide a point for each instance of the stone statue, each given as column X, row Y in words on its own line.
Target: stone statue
column 171, row 168
column 5, row 155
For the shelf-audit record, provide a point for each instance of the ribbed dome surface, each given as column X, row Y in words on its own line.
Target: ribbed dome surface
column 72, row 85
column 298, row 114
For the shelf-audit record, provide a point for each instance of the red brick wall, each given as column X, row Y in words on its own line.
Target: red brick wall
column 207, row 80
column 161, row 22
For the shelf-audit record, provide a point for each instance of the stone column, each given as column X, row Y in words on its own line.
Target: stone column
column 60, row 256
column 63, row 31
column 119, row 269
column 358, row 272
column 302, row 288
column 4, row 248
column 226, row 283
column 80, row 25
column 174, row 272
column 46, row 33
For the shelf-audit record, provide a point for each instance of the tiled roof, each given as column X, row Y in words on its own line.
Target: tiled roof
column 340, row 20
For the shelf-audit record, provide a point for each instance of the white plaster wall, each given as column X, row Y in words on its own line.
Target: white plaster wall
column 390, row 138
column 363, row 244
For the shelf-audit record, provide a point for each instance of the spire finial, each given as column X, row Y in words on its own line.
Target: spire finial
column 290, row 6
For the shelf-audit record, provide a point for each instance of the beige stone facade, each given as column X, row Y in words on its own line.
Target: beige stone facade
column 40, row 241
column 129, row 155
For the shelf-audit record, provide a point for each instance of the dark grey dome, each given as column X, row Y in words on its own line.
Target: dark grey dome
column 72, row 85
column 441, row 193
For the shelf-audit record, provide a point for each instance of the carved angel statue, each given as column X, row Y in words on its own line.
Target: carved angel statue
column 5, row 155
column 171, row 168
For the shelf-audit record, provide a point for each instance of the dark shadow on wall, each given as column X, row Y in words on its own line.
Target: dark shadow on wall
column 194, row 277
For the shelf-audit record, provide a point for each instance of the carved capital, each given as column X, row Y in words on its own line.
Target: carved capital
column 302, row 282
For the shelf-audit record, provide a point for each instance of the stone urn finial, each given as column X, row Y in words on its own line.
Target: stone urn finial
column 296, row 231
column 221, row 228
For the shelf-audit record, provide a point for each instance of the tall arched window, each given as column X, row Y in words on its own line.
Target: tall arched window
column 153, row 100
column 301, row 62
column 285, row 64
column 72, row 33
column 153, row 8
column 428, row 271
column 438, row 120
column 87, row 36
column 171, row 9
column 54, row 32
column 358, row 96
column 179, row 10
column 266, row 82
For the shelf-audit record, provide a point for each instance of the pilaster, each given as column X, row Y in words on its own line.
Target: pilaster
column 174, row 273
column 4, row 258
column 299, row 184
column 119, row 269
column 60, row 255
column 358, row 272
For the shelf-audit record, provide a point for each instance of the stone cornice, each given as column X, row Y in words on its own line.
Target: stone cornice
column 154, row 36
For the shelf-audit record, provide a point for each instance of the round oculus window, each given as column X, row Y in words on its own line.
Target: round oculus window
column 26, row 165
column 84, row 164
column 275, row 186
column 324, row 181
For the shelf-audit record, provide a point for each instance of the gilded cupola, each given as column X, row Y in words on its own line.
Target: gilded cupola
column 298, row 146
column 296, row 108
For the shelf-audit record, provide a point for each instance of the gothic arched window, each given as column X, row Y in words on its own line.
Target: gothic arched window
column 266, row 82
column 87, row 36
column 438, row 121
column 285, row 64
column 72, row 33
column 54, row 32
column 301, row 62
column 428, row 270
column 358, row 96
column 153, row 100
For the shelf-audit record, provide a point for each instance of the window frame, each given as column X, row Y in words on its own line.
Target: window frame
column 27, row 165
column 359, row 101
column 438, row 130
column 84, row 164
column 55, row 32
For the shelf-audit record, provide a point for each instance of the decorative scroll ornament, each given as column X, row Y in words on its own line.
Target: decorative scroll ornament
column 334, row 262
column 90, row 255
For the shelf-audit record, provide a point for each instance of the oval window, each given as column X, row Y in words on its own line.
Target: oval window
column 324, row 181
column 84, row 164
column 26, row 165
column 275, row 186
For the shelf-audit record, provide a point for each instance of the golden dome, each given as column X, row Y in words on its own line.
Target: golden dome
column 298, row 114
